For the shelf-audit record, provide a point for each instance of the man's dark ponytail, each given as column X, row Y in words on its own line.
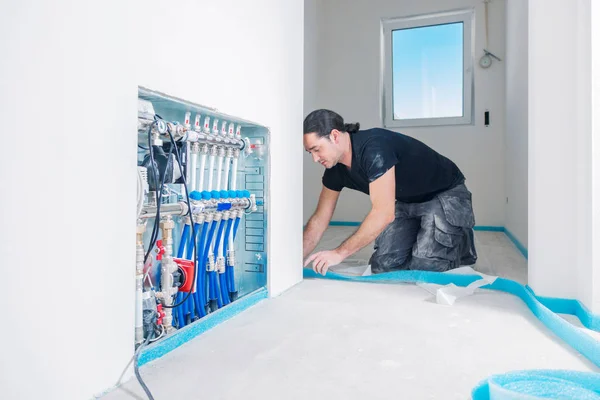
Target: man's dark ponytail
column 322, row 122
column 352, row 128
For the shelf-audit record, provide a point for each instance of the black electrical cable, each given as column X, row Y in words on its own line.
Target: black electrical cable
column 154, row 235
column 136, row 368
column 187, row 195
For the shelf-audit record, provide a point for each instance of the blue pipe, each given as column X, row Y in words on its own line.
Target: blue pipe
column 220, row 300
column 180, row 311
column 223, row 285
column 188, row 305
column 190, row 247
column 212, row 297
column 232, row 288
column 193, row 299
column 202, row 266
column 235, row 227
column 184, row 238
column 228, row 267
column 223, row 276
column 200, row 295
column 214, row 287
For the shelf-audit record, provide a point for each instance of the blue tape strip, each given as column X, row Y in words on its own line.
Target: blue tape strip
column 519, row 245
column 507, row 386
column 182, row 336
column 488, row 228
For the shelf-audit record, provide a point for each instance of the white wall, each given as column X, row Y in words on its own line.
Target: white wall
column 595, row 46
column 311, row 64
column 516, row 119
column 561, row 205
column 348, row 82
column 68, row 105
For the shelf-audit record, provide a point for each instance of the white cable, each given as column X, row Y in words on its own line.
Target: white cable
column 202, row 172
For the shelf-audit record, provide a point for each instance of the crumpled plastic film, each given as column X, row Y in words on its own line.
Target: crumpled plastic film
column 449, row 293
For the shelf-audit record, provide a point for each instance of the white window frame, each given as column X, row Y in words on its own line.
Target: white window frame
column 465, row 16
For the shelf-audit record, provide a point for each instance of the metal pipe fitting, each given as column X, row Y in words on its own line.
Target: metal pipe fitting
column 180, row 208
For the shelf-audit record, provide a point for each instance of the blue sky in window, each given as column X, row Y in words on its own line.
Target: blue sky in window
column 427, row 67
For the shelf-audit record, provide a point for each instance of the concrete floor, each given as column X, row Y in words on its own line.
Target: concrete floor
column 328, row 339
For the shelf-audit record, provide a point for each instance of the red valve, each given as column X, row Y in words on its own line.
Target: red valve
column 161, row 314
column 160, row 250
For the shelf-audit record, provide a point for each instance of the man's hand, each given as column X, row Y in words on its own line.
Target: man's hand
column 319, row 221
column 323, row 260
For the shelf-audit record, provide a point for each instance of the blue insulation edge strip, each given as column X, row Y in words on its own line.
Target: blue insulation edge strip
column 184, row 335
column 508, row 233
column 545, row 309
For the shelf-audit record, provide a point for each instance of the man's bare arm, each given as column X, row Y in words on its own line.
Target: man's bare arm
column 320, row 220
column 383, row 197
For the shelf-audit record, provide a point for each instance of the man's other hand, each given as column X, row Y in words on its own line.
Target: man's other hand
column 322, row 260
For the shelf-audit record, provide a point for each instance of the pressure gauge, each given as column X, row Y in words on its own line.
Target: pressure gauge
column 161, row 126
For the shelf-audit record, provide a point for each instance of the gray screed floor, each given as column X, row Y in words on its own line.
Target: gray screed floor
column 329, row 339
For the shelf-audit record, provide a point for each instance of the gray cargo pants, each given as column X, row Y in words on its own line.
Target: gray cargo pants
column 436, row 235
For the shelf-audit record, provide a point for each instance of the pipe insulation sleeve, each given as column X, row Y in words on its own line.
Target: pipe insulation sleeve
column 236, row 226
column 226, row 174
column 184, row 238
column 519, row 384
column 229, row 267
column 193, row 170
column 216, row 256
column 211, row 288
column 201, row 274
column 234, row 174
column 179, row 311
column 219, row 171
column 211, row 167
column 202, row 171
column 223, row 286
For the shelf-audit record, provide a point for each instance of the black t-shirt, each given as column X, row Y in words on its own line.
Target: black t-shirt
column 421, row 172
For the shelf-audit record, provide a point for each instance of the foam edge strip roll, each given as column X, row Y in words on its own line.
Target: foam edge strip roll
column 204, row 324
column 534, row 384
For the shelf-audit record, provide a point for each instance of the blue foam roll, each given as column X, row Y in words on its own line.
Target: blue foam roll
column 539, row 384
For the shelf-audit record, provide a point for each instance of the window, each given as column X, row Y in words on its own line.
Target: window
column 428, row 70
